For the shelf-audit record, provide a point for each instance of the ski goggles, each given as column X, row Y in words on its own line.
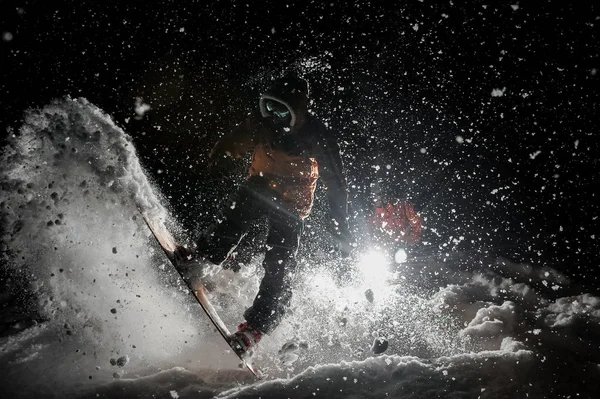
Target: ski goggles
column 277, row 110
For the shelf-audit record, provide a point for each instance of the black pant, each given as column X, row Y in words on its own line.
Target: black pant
column 252, row 201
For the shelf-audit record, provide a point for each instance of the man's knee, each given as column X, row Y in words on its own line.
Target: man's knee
column 214, row 249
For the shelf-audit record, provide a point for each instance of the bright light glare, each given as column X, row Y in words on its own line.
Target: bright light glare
column 374, row 265
column 401, row 256
column 376, row 272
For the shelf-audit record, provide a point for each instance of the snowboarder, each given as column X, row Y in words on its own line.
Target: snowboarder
column 291, row 149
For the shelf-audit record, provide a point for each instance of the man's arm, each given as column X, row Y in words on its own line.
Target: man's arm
column 238, row 142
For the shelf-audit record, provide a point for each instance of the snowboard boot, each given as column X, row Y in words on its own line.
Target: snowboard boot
column 184, row 255
column 245, row 340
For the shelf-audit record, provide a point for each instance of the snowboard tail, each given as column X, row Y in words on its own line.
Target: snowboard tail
column 168, row 244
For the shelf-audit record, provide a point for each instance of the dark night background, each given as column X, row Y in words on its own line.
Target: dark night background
column 408, row 86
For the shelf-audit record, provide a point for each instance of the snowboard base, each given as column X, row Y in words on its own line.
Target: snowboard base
column 197, row 288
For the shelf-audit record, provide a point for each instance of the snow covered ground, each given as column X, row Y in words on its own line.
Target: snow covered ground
column 114, row 321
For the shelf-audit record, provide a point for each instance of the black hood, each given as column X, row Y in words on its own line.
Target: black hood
column 290, row 91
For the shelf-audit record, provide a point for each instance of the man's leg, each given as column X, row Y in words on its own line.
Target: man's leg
column 235, row 218
column 275, row 290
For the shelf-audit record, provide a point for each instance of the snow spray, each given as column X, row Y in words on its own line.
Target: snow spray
column 107, row 302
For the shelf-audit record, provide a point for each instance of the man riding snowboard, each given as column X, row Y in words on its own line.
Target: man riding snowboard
column 291, row 149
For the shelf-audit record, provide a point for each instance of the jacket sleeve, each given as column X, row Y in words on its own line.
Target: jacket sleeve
column 331, row 170
column 239, row 141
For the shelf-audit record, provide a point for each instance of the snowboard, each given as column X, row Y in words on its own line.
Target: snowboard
column 198, row 289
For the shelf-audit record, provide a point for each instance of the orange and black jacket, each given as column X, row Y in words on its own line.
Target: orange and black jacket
column 291, row 163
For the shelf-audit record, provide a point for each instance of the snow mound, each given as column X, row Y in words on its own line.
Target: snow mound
column 565, row 312
column 509, row 372
column 176, row 382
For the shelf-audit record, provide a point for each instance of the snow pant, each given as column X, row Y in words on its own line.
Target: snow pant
column 253, row 201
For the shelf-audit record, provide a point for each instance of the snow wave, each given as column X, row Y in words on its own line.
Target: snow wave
column 71, row 187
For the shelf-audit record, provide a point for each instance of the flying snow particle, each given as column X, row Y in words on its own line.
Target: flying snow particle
column 122, row 361
column 535, row 154
column 380, row 345
column 369, row 295
column 515, row 7
column 594, row 71
column 141, row 108
column 7, row 36
column 498, row 92
column 313, row 64
column 174, row 394
column 460, row 139
column 416, row 27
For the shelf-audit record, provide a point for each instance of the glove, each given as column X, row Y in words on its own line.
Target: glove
column 398, row 222
column 414, row 221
